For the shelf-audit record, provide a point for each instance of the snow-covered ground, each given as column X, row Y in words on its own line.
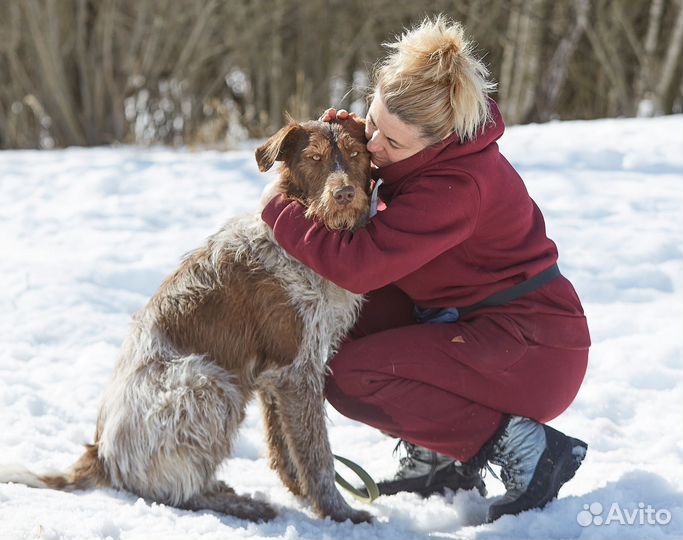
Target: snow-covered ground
column 88, row 234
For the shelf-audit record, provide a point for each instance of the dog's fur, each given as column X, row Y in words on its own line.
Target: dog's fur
column 239, row 317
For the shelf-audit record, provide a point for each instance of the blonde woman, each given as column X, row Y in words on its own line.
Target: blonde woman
column 470, row 339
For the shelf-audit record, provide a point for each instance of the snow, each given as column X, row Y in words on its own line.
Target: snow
column 88, row 235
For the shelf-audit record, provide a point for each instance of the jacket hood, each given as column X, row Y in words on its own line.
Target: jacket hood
column 449, row 148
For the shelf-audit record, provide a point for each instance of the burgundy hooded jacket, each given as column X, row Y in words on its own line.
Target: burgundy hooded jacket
column 458, row 226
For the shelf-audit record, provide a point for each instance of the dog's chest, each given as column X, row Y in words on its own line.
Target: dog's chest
column 327, row 311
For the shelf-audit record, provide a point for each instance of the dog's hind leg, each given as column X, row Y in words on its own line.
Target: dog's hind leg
column 302, row 407
column 279, row 454
column 166, row 426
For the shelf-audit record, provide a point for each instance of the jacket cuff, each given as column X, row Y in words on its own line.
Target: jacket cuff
column 274, row 208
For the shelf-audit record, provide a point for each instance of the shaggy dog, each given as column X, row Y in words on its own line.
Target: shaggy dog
column 239, row 318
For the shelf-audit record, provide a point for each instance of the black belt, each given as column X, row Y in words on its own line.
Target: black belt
column 516, row 291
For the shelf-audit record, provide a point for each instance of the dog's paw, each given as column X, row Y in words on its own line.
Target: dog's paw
column 356, row 516
column 222, row 487
column 361, row 516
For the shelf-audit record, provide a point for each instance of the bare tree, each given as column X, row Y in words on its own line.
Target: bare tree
column 555, row 74
column 672, row 62
column 521, row 59
column 644, row 84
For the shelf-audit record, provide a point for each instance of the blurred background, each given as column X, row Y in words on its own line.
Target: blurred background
column 216, row 72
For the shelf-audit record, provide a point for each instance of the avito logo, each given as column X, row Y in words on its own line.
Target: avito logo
column 643, row 515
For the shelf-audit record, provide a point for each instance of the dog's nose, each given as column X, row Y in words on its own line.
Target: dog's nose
column 344, row 195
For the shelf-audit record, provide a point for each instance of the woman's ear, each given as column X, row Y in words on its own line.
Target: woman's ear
column 277, row 147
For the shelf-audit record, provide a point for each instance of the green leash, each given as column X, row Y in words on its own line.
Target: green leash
column 370, row 485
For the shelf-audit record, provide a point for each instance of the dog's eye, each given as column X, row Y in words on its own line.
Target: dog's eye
column 315, row 157
column 353, row 154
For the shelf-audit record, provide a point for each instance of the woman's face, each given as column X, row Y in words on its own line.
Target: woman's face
column 389, row 138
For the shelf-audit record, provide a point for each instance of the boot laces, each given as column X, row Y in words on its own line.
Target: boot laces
column 517, row 452
column 511, row 473
column 417, row 458
column 410, row 461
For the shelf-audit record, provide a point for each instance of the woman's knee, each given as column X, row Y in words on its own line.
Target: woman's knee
column 341, row 388
column 342, row 378
column 350, row 377
column 350, row 391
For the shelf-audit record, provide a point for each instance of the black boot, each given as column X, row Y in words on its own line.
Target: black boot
column 425, row 472
column 535, row 460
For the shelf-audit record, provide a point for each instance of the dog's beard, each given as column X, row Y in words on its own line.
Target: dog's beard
column 340, row 217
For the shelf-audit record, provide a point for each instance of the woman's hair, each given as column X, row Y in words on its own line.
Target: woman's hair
column 431, row 79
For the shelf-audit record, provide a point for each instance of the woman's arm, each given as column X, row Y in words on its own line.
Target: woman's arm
column 416, row 227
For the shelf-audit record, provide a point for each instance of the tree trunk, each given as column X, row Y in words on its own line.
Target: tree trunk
column 644, row 85
column 672, row 61
column 553, row 83
column 521, row 60
column 275, row 77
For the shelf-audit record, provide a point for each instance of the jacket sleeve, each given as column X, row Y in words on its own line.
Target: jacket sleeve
column 417, row 226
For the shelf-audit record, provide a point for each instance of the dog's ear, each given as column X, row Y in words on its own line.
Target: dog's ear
column 277, row 147
column 355, row 126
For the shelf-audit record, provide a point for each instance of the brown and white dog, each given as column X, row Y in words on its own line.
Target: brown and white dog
column 239, row 318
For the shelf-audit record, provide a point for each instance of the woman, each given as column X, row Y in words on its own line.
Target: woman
column 470, row 339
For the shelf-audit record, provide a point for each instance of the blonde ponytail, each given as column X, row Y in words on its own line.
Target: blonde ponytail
column 431, row 79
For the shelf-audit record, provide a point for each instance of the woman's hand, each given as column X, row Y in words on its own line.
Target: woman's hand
column 332, row 114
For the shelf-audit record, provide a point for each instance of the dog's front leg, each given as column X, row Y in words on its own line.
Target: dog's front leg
column 302, row 408
column 278, row 446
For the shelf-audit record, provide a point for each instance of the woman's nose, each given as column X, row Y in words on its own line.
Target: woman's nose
column 373, row 144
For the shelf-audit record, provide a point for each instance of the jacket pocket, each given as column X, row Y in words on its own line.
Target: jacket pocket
column 488, row 343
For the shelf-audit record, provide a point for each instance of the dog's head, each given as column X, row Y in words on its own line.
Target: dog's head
column 325, row 166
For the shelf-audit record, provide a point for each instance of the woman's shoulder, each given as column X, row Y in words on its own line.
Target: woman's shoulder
column 447, row 184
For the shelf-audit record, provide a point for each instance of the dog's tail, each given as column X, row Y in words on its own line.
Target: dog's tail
column 87, row 473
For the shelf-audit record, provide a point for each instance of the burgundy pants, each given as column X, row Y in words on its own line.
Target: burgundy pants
column 446, row 387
